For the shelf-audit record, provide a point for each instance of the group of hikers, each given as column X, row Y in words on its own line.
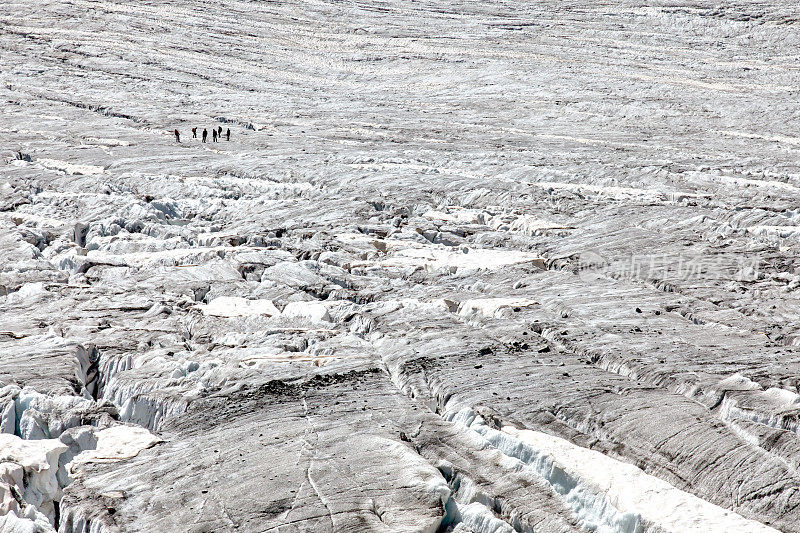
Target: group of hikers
column 216, row 133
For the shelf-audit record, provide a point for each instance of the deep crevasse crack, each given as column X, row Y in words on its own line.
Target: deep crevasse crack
column 607, row 496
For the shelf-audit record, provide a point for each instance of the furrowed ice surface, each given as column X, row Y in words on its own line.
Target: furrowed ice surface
column 462, row 266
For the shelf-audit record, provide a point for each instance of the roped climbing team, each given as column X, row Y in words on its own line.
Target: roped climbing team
column 216, row 133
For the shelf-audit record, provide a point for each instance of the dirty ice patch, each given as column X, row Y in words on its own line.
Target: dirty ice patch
column 422, row 482
column 70, row 168
column 232, row 306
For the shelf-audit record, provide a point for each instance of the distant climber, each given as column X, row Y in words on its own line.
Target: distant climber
column 177, row 136
column 219, row 132
column 194, row 133
column 228, row 135
column 205, row 135
column 214, row 135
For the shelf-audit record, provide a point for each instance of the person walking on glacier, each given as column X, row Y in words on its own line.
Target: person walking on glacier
column 228, row 135
column 214, row 135
column 205, row 135
column 194, row 133
column 219, row 131
column 177, row 136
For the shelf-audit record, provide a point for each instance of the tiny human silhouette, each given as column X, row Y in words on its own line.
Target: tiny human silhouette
column 228, row 135
column 214, row 135
column 219, row 131
column 177, row 136
column 194, row 133
column 205, row 135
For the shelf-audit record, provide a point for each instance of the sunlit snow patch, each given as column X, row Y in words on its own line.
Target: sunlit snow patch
column 458, row 215
column 493, row 307
column 313, row 311
column 116, row 444
column 69, row 168
column 435, row 257
column 503, row 221
column 612, row 191
column 108, row 142
column 230, row 306
column 775, row 232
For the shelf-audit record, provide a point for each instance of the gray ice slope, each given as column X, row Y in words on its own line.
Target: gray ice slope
column 464, row 266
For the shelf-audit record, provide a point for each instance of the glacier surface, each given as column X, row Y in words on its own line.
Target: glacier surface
column 461, row 267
